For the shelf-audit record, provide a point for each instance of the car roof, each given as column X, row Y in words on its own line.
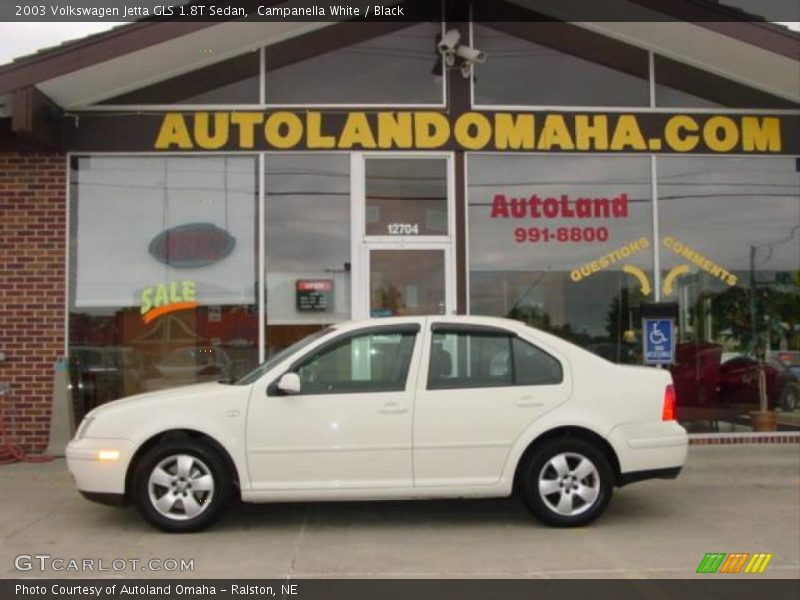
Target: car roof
column 512, row 325
column 465, row 319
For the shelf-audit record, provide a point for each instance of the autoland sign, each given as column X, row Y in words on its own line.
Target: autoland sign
column 502, row 131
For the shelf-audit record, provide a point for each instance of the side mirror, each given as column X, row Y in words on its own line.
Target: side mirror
column 289, row 383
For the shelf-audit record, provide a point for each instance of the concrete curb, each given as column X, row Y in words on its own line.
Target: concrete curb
column 749, row 437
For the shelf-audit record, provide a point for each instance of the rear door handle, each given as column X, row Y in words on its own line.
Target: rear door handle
column 393, row 408
column 529, row 401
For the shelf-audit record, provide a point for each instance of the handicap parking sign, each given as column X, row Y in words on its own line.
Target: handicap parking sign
column 659, row 341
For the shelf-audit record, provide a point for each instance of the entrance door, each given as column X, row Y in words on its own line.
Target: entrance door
column 408, row 281
column 402, row 235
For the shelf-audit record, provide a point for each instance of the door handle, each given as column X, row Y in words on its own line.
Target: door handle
column 529, row 401
column 393, row 408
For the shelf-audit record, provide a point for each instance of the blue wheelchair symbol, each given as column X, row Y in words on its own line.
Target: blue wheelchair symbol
column 659, row 341
column 656, row 336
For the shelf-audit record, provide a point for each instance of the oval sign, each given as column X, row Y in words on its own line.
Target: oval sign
column 192, row 245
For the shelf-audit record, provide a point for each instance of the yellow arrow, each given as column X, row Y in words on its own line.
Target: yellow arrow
column 640, row 275
column 672, row 276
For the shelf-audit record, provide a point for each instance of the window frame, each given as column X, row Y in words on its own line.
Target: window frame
column 311, row 38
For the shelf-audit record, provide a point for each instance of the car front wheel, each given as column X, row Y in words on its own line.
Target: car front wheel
column 567, row 482
column 181, row 485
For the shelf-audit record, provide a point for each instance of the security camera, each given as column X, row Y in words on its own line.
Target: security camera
column 471, row 55
column 449, row 41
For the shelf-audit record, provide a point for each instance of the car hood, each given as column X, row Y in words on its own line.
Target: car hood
column 159, row 396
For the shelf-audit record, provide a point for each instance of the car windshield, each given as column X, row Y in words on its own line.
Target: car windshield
column 269, row 364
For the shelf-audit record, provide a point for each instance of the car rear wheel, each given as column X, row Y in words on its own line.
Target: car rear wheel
column 567, row 482
column 181, row 485
column 788, row 399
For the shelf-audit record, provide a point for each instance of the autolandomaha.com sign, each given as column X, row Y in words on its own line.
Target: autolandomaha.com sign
column 535, row 131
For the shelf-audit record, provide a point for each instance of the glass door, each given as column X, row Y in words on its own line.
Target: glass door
column 402, row 235
column 404, row 282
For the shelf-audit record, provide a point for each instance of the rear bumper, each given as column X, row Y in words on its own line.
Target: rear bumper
column 634, row 476
column 649, row 450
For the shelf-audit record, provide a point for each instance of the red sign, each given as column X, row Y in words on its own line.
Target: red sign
column 559, row 208
column 324, row 285
column 192, row 245
column 313, row 295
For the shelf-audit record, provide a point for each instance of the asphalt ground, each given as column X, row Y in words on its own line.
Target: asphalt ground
column 728, row 499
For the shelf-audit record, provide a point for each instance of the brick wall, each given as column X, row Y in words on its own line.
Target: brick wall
column 32, row 279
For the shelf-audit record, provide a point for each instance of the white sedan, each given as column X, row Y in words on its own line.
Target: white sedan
column 397, row 408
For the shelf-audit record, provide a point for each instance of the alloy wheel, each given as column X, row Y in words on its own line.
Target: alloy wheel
column 181, row 487
column 569, row 484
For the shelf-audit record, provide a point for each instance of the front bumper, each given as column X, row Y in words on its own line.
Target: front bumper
column 93, row 475
column 117, row 500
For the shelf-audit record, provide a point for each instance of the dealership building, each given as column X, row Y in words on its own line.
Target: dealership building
column 179, row 201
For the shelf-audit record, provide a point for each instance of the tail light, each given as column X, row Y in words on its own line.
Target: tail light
column 668, row 410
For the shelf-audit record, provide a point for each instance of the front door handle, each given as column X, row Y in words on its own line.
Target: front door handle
column 393, row 408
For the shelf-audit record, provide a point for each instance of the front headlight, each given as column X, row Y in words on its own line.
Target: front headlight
column 83, row 427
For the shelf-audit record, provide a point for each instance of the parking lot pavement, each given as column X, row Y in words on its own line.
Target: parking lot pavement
column 728, row 499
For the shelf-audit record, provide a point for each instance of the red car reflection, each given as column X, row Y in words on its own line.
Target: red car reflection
column 696, row 374
column 706, row 378
column 739, row 383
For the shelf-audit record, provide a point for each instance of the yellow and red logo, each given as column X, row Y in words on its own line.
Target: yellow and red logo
column 163, row 298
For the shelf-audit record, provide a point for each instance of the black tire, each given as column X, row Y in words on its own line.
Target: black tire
column 207, row 470
column 538, row 466
column 788, row 399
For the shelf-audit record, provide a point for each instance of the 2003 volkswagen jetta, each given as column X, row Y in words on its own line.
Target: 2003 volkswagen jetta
column 415, row 407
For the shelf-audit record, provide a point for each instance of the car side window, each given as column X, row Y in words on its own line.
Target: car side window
column 470, row 360
column 372, row 362
column 534, row 366
column 488, row 359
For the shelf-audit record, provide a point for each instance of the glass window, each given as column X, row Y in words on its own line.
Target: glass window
column 488, row 359
column 468, row 360
column 373, row 362
column 557, row 64
column 563, row 243
column 307, row 244
column 534, row 366
column 232, row 81
column 394, row 67
column 406, row 196
column 162, row 273
column 277, row 357
column 406, row 282
column 680, row 85
column 730, row 257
